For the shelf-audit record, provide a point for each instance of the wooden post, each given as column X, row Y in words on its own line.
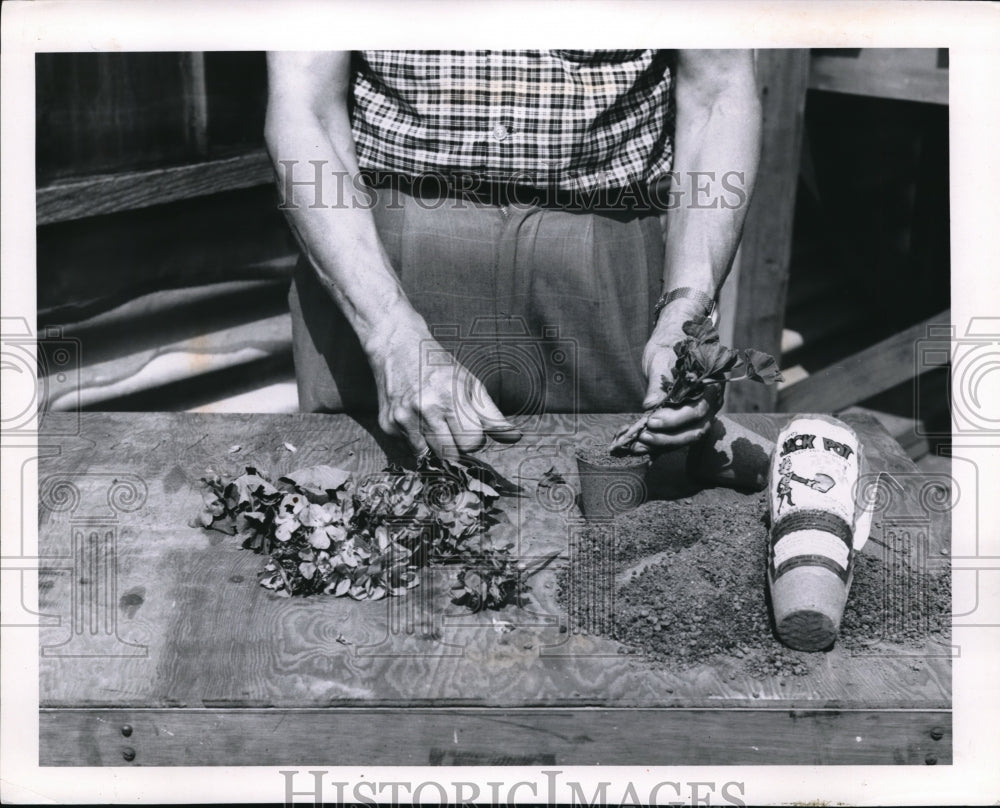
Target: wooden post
column 783, row 77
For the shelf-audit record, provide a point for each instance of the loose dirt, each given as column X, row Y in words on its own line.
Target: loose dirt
column 683, row 581
column 598, row 456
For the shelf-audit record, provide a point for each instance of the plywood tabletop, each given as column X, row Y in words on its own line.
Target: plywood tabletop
column 154, row 613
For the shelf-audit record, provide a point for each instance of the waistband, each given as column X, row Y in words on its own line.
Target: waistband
column 634, row 199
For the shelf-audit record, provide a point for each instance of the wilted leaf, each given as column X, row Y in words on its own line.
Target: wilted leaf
column 283, row 530
column 248, row 485
column 313, row 515
column 369, row 540
column 479, row 487
column 318, row 480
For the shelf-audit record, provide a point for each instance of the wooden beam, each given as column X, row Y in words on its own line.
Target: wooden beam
column 861, row 376
column 195, row 100
column 110, row 193
column 415, row 736
column 783, row 76
column 908, row 74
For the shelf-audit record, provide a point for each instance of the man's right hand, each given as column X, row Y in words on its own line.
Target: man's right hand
column 432, row 404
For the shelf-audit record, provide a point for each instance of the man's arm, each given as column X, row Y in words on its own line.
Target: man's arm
column 718, row 130
column 307, row 120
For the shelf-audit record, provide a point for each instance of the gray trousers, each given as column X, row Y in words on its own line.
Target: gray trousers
column 549, row 308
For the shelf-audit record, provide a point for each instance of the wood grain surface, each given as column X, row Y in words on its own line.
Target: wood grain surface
column 765, row 250
column 485, row 737
column 909, row 74
column 156, row 614
column 111, row 193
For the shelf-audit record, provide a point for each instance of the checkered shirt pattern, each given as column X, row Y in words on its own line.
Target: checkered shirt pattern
column 570, row 120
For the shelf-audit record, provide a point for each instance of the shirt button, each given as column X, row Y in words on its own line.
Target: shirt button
column 500, row 132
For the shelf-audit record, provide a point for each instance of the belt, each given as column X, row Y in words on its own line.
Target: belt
column 633, row 198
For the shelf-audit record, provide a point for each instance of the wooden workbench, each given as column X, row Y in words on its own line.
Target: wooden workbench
column 161, row 648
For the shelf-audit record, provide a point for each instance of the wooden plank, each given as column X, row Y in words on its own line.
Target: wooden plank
column 110, row 193
column 862, row 375
column 195, row 100
column 908, row 74
column 535, row 737
column 187, row 626
column 100, row 112
column 766, row 247
column 91, row 265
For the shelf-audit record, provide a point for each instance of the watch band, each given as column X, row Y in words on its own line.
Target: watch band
column 707, row 302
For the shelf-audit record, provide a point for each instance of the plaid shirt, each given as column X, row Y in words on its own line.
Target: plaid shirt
column 571, row 120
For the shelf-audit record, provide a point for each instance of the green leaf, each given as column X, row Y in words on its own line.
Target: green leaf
column 761, row 367
column 701, row 330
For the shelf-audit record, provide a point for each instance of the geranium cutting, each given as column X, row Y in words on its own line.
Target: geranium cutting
column 327, row 532
column 702, row 361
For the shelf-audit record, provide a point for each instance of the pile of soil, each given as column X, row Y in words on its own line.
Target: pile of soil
column 681, row 582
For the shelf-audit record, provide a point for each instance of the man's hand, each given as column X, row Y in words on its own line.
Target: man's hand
column 672, row 425
column 717, row 131
column 431, row 403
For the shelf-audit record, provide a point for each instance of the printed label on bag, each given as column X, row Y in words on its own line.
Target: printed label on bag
column 815, row 467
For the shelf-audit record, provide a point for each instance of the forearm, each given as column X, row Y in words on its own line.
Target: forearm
column 717, row 136
column 339, row 237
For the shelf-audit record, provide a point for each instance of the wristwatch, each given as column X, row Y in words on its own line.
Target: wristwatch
column 707, row 303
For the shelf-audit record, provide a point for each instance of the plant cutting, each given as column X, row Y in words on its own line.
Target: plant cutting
column 325, row 532
column 702, row 363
